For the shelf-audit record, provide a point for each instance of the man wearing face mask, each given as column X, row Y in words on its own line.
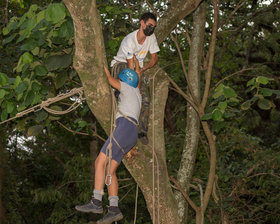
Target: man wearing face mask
column 139, row 43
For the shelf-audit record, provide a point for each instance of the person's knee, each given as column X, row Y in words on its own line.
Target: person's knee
column 99, row 162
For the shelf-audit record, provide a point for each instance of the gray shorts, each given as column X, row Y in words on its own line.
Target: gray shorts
column 126, row 134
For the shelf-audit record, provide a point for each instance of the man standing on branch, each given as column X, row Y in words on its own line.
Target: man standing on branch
column 139, row 43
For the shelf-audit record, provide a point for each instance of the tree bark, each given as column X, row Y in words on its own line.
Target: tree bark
column 174, row 14
column 2, row 162
column 185, row 172
column 88, row 61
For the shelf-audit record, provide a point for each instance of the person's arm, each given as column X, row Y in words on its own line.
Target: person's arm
column 138, row 70
column 113, row 82
column 152, row 62
column 130, row 63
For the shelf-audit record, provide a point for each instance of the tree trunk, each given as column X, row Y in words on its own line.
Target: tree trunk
column 185, row 172
column 2, row 162
column 88, row 61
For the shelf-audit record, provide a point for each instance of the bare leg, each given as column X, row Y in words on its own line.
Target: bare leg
column 99, row 172
column 113, row 187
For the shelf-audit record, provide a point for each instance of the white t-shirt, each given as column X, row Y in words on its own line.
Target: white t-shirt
column 129, row 101
column 130, row 46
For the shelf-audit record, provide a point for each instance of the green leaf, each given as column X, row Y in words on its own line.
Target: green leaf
column 4, row 115
column 58, row 61
column 2, row 93
column 35, row 51
column 217, row 115
column 36, row 100
column 276, row 92
column 274, row 115
column 22, row 20
column 82, row 124
column 220, row 87
column 3, row 79
column 27, row 58
column 29, row 98
column 217, row 94
column 262, row 80
column 5, row 31
column 17, row 81
column 266, row 91
column 251, row 82
column 21, row 87
column 229, row 92
column 206, row 116
column 20, row 126
column 54, row 118
column 9, row 39
column 36, row 86
column 34, row 130
column 66, row 30
column 28, row 45
column 222, row 106
column 55, row 12
column 265, row 104
column 40, row 16
column 246, row 105
column 41, row 116
column 10, row 107
column 32, row 22
column 60, row 80
column 40, row 70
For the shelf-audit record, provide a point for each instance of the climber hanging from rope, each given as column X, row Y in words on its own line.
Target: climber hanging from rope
column 139, row 43
column 120, row 142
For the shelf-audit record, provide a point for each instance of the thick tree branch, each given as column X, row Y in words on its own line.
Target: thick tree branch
column 176, row 12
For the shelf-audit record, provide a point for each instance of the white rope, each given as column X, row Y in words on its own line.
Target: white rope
column 44, row 105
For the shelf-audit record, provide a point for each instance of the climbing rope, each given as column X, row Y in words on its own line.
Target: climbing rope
column 154, row 155
column 44, row 105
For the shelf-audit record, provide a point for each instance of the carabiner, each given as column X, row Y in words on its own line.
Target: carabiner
column 110, row 180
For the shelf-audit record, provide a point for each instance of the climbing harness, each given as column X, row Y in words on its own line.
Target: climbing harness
column 108, row 153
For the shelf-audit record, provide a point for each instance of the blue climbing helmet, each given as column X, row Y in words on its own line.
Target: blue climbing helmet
column 129, row 76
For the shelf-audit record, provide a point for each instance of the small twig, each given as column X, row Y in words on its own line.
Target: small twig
column 136, row 200
column 80, row 133
column 126, row 194
column 127, row 185
column 184, row 69
column 201, row 194
column 239, row 5
column 6, row 13
column 182, row 93
column 184, row 194
column 187, row 34
column 130, row 16
column 154, row 10
column 211, row 55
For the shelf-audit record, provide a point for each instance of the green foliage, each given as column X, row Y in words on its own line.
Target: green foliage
column 45, row 36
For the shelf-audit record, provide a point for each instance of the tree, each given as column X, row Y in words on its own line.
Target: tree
column 96, row 89
column 41, row 77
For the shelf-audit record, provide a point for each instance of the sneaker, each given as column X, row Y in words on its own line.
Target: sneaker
column 114, row 214
column 94, row 206
column 143, row 138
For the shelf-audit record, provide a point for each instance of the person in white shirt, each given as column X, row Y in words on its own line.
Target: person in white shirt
column 139, row 43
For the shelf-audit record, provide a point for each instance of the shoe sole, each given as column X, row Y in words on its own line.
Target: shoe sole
column 100, row 211
column 117, row 218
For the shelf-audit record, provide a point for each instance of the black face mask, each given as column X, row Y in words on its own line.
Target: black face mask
column 149, row 30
